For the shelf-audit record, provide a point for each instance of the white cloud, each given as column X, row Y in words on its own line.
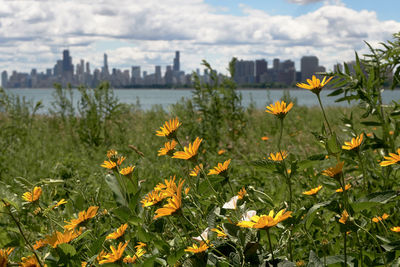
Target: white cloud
column 34, row 33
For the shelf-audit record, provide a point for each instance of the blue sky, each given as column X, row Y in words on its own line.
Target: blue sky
column 148, row 32
column 385, row 9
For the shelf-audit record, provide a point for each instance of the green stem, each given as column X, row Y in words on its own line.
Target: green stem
column 271, row 250
column 22, row 233
column 363, row 171
column 345, row 248
column 361, row 251
column 289, row 184
column 176, row 230
column 287, row 178
column 376, row 242
column 323, row 111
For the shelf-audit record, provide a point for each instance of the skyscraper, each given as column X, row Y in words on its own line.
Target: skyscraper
column 261, row 68
column 105, row 71
column 244, row 71
column 176, row 66
column 4, row 79
column 135, row 74
column 158, row 75
column 309, row 66
column 67, row 67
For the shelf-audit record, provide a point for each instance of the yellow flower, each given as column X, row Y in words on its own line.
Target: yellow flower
column 140, row 245
column 242, row 192
column 38, row 244
column 334, row 172
column 189, row 152
column 168, row 148
column 152, row 198
column 83, row 216
column 115, row 255
column 222, row 151
column 265, row 138
column 379, row 218
column 198, row 248
column 278, row 156
column 169, row 128
column 4, row 253
column 346, row 187
column 345, row 216
column 220, row 168
column 279, row 109
column 168, row 189
column 220, row 232
column 312, row 191
column 127, row 170
column 108, row 164
column 354, row 143
column 59, row 203
column 34, row 195
column 173, row 205
column 300, row 263
column 30, row 261
column 111, row 153
column 58, row 238
column 265, row 221
column 132, row 259
column 100, row 255
column 139, row 253
column 196, row 170
column 395, row 229
column 120, row 160
column 117, row 234
column 314, row 85
column 391, row 159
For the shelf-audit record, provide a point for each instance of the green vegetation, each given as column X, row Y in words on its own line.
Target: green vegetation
column 292, row 160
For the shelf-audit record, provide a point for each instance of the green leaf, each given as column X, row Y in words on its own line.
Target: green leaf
column 175, row 256
column 336, row 92
column 332, row 145
column 312, row 211
column 67, row 249
column 314, row 261
column 264, row 165
column 115, row 188
column 123, row 213
column 380, row 197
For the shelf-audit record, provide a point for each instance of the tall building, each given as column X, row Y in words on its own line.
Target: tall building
column 105, row 70
column 168, row 75
column 309, row 66
column 67, row 67
column 135, row 74
column 275, row 64
column 261, row 68
column 287, row 72
column 244, row 71
column 158, row 75
column 176, row 66
column 4, row 79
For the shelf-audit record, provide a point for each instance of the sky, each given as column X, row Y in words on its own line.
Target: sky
column 33, row 34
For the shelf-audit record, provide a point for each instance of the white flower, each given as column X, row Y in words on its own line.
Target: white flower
column 231, row 204
column 247, row 216
column 203, row 237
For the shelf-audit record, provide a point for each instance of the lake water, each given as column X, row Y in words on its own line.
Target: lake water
column 166, row 97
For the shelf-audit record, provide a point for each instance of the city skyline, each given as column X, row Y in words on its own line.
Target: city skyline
column 147, row 32
column 248, row 72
